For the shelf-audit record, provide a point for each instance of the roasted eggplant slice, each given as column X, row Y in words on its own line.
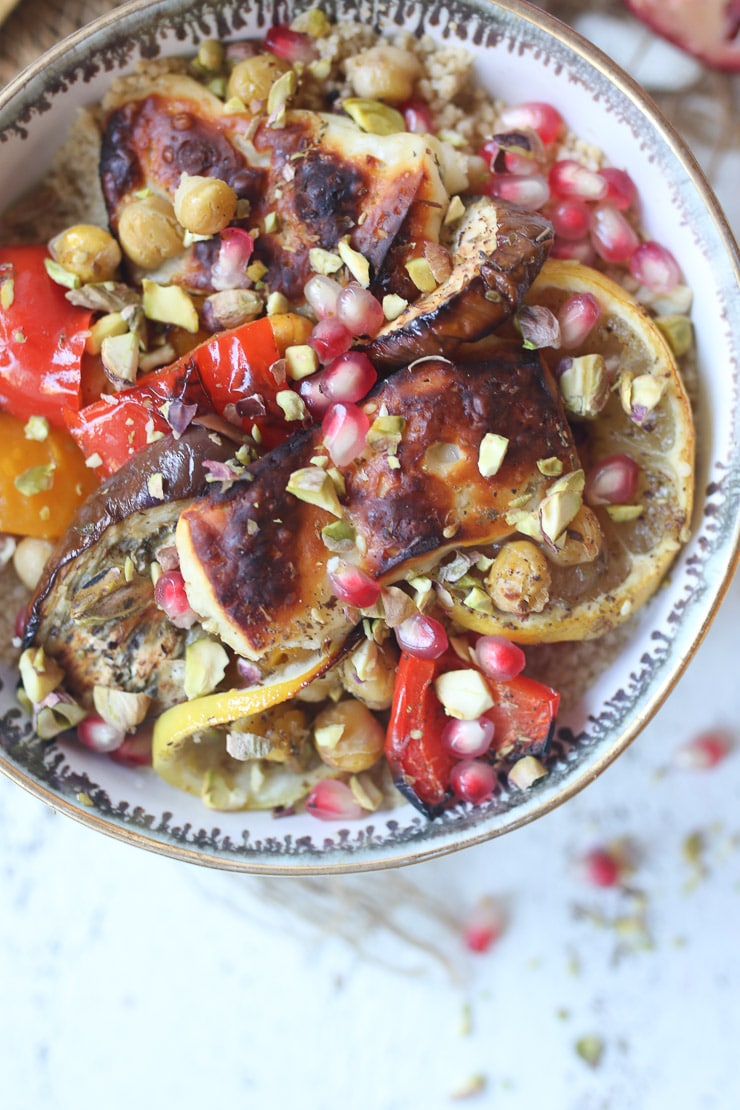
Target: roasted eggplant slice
column 254, row 557
column 497, row 253
column 94, row 611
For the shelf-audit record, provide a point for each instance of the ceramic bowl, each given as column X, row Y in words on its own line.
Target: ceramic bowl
column 520, row 54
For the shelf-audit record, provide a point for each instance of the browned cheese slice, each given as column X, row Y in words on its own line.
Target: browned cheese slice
column 253, row 555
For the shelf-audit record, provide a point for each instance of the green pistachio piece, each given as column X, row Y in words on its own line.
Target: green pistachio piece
column 315, row 487
column 491, row 453
column 40, row 675
column 420, row 272
column 292, row 404
column 36, row 428
column 355, row 262
column 678, row 331
column 324, row 262
column 620, row 514
column 120, row 708
column 373, row 116
column 551, row 467
column 63, row 277
column 464, row 694
column 301, row 361
column 584, row 386
column 205, row 666
column 169, row 304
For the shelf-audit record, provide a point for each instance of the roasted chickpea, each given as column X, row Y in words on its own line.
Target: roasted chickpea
column 204, row 205
column 519, row 579
column 252, row 78
column 88, row 251
column 383, row 72
column 348, row 737
column 369, row 674
column 149, row 232
column 583, row 540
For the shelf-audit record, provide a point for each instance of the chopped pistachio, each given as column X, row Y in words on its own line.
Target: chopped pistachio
column 40, row 675
column 169, row 304
column 478, row 600
column 338, row 536
column 527, row 771
column 491, row 453
column 113, row 323
column 292, row 404
column 256, row 270
column 7, row 293
column 315, row 487
column 234, row 106
column 19, row 336
column 314, row 23
column 120, row 708
column 328, row 736
column 320, row 68
column 421, row 274
column 561, row 504
column 84, row 799
column 550, row 467
column 37, row 479
column 301, row 361
column 205, row 666
column 280, row 93
column 271, row 222
column 455, row 210
column 394, row 463
column 277, row 304
column 324, row 262
column 373, row 116
column 584, row 385
column 210, row 54
column 92, row 462
column 678, row 332
column 36, row 428
column 355, row 262
column 620, row 514
column 58, row 714
column 61, row 276
column 119, row 354
column 393, row 306
column 525, row 522
column 464, row 694
column 385, row 433
column 129, row 569
column 338, row 479
column 640, row 395
column 155, row 486
column 319, row 460
column 366, row 792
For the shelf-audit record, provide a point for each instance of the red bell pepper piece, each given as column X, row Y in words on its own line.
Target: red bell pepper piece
column 42, row 339
column 523, row 715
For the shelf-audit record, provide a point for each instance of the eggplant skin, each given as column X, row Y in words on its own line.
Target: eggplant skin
column 498, row 252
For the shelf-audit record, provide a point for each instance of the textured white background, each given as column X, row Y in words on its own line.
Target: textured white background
column 129, row 980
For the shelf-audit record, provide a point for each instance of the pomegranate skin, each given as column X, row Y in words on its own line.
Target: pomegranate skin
column 707, row 31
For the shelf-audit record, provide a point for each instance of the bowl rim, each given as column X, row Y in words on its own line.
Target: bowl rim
column 414, row 851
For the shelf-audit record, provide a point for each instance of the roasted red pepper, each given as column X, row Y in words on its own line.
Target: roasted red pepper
column 523, row 715
column 42, row 339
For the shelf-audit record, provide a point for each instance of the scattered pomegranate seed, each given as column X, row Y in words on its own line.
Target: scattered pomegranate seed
column 579, row 250
column 529, row 192
column 569, row 178
column 344, row 429
column 359, row 310
column 600, row 867
column 523, row 164
column 578, row 316
column 473, row 780
column 499, row 658
column 99, row 736
column 317, row 402
column 292, row 46
column 468, row 739
column 322, row 293
column 170, row 596
column 613, row 481
column 136, row 750
column 571, row 218
column 422, row 636
column 534, row 114
column 417, row 116
column 655, row 267
column 330, row 339
column 353, row 586
column 484, row 926
column 621, row 192
column 489, row 151
column 613, row 238
column 19, row 625
column 350, row 377
column 704, row 751
column 333, row 800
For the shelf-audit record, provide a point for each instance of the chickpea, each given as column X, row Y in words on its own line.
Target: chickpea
column 383, row 72
column 88, row 251
column 348, row 737
column 148, row 231
column 204, row 205
column 583, row 539
column 29, row 559
column 252, row 78
column 519, row 579
column 369, row 674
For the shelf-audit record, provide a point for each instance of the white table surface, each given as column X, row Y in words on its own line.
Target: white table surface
column 130, row 980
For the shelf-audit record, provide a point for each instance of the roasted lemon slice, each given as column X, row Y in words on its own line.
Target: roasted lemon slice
column 587, row 600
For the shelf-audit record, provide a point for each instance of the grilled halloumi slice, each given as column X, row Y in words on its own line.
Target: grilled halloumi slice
column 253, row 556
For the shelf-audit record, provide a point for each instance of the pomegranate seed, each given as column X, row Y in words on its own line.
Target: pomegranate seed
column 569, row 178
column 578, row 316
column 322, row 293
column 19, row 625
column 522, row 164
column 417, row 116
column 571, row 218
column 473, row 780
column 613, row 481
column 579, row 250
column 613, row 238
column 333, row 800
column 317, row 402
column 292, row 46
column 136, row 750
column 704, row 751
column 170, row 596
column 353, row 586
column 655, row 267
column 484, row 926
column 489, row 151
column 621, row 192
column 99, row 736
column 468, row 739
column 330, row 339
column 422, row 636
column 601, row 867
column 359, row 310
column 349, row 377
column 536, row 115
column 344, row 429
column 499, row 658
column 529, row 192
